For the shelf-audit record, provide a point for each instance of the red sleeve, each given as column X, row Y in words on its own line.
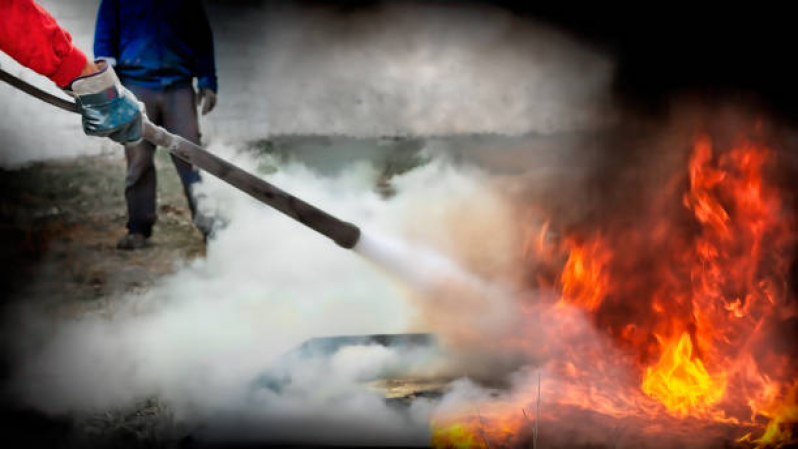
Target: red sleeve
column 30, row 35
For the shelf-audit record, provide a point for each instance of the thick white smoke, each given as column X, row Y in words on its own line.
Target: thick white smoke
column 203, row 335
column 408, row 68
column 442, row 255
column 388, row 69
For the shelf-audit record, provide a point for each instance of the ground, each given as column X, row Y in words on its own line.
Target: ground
column 59, row 223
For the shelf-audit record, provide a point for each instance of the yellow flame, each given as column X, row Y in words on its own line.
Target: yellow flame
column 455, row 436
column 680, row 383
column 783, row 419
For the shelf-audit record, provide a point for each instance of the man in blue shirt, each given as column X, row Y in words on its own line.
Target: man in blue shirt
column 158, row 48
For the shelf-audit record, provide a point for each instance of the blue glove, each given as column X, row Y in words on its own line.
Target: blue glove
column 108, row 109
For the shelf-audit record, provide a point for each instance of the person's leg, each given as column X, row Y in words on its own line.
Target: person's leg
column 180, row 117
column 140, row 182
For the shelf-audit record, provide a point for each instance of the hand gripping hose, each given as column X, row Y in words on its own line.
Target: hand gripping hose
column 343, row 233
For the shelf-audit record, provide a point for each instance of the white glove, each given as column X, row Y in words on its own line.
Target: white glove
column 207, row 98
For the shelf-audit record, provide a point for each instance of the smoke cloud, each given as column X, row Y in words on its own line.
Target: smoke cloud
column 202, row 337
column 388, row 69
column 410, row 68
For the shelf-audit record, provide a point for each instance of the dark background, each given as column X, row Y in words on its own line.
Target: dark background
column 724, row 50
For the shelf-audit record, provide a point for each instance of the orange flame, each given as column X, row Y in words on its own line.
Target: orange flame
column 584, row 279
column 783, row 416
column 687, row 302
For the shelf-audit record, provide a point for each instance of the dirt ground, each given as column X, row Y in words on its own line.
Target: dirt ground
column 59, row 223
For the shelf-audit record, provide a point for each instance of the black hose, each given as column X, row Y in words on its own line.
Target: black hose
column 38, row 93
column 343, row 233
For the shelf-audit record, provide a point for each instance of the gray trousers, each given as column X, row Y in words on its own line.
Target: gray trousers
column 175, row 110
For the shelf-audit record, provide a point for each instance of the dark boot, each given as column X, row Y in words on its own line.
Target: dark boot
column 133, row 241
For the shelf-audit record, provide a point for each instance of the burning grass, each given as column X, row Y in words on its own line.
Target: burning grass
column 684, row 308
column 650, row 328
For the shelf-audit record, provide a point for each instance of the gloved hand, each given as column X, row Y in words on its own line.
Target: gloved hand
column 207, row 98
column 108, row 109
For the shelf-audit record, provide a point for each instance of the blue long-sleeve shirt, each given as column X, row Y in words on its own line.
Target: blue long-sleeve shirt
column 157, row 43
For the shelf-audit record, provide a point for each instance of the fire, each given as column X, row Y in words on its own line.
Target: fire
column 584, row 279
column 687, row 299
column 456, row 436
column 783, row 418
column 703, row 178
column 680, row 382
